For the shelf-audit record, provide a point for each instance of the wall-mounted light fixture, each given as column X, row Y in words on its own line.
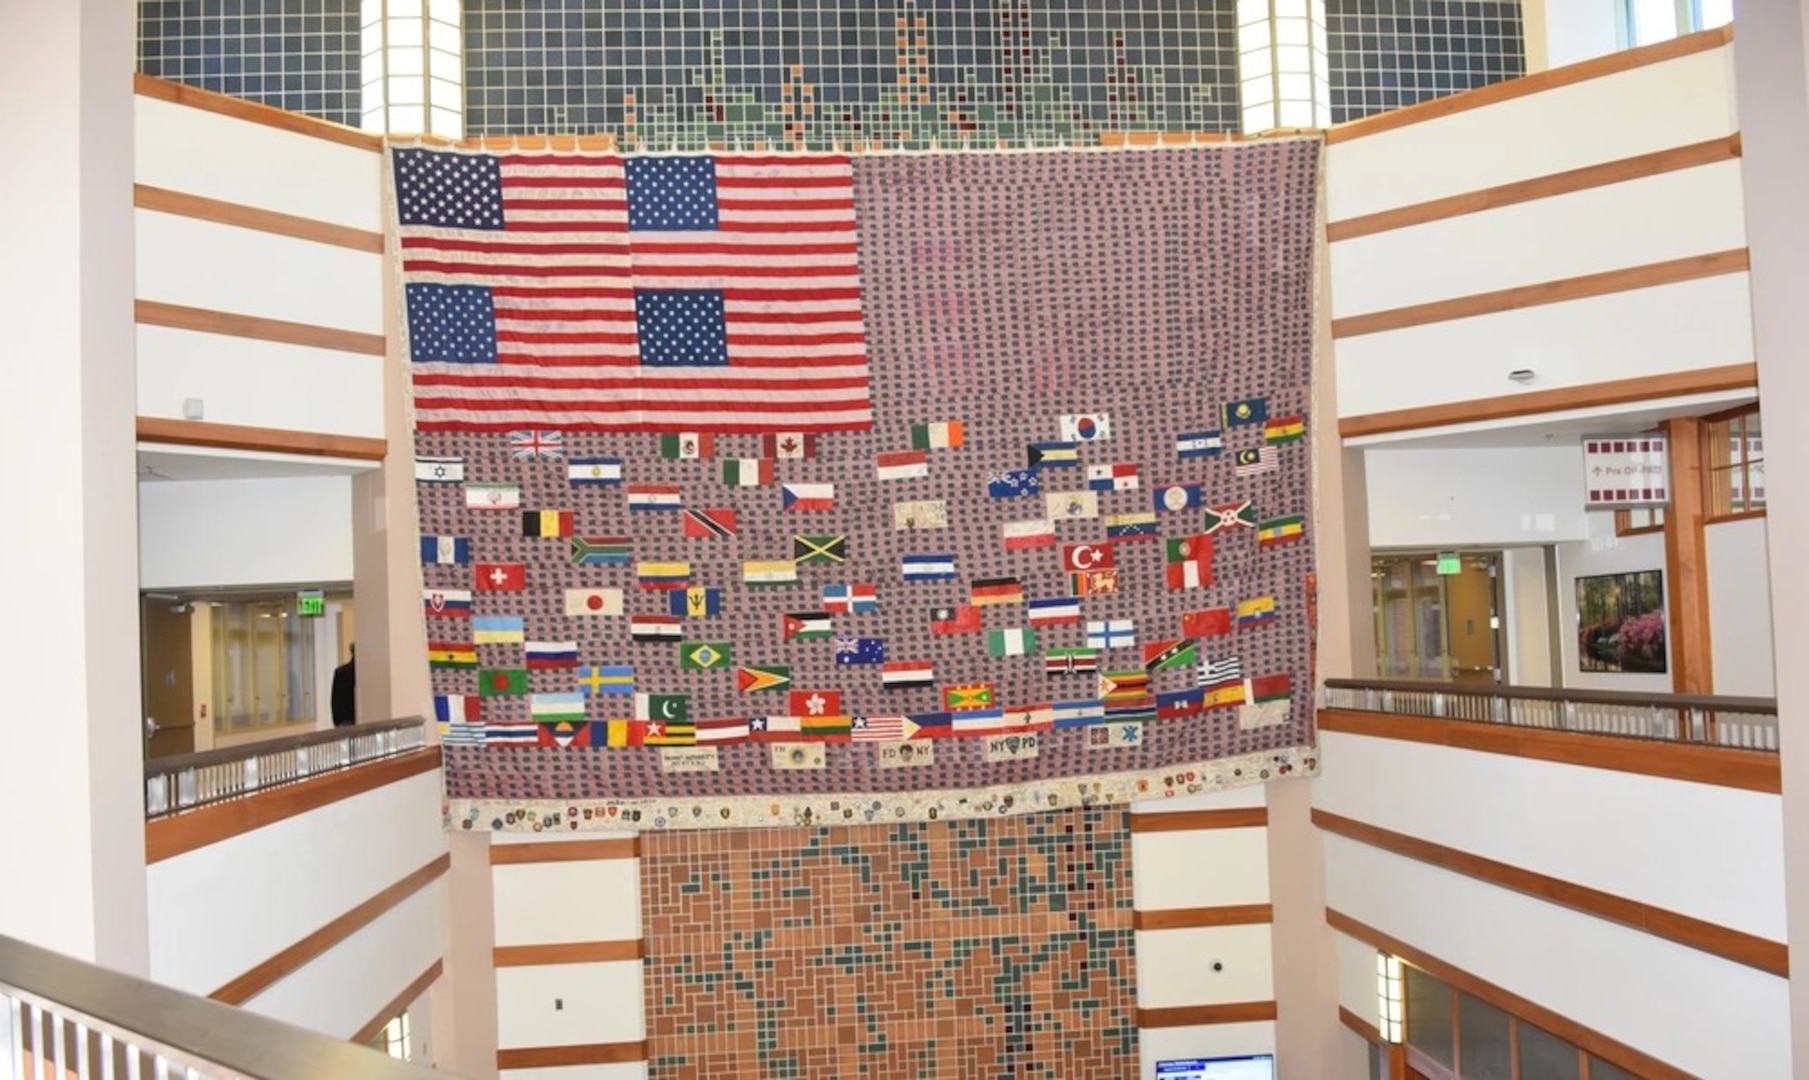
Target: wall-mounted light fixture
column 1522, row 375
column 1390, row 998
column 413, row 67
column 1281, row 65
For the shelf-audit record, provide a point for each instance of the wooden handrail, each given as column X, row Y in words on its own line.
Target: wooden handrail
column 1716, row 702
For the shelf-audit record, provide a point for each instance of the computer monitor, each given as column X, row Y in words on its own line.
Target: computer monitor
column 1247, row 1067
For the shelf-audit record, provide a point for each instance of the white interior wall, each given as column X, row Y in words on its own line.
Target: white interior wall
column 1652, row 219
column 183, row 149
column 259, row 383
column 1638, row 111
column 1739, row 602
column 221, row 910
column 1625, row 335
column 1710, row 852
column 1480, row 497
column 1203, row 868
column 184, row 260
column 1605, row 553
column 1686, row 326
column 568, row 1004
column 344, row 989
column 244, row 532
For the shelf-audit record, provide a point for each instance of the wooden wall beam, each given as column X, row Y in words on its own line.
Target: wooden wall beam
column 238, row 215
column 256, row 327
column 1771, row 957
column 615, row 847
column 1532, row 403
column 1188, row 820
column 553, row 1057
column 1538, row 294
column 171, row 432
column 1621, row 170
column 1686, row 561
column 315, row 945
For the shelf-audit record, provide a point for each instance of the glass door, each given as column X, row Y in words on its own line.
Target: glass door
column 1439, row 626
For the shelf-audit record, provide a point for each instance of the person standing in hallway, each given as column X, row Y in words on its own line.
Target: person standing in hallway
column 345, row 691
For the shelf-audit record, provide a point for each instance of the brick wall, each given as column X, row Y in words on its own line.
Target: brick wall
column 989, row 948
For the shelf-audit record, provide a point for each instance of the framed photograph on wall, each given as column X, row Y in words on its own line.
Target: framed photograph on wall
column 1621, row 622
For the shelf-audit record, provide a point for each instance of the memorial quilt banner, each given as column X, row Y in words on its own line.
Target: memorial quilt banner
column 799, row 489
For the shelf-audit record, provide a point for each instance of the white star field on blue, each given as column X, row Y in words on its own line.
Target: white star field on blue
column 449, row 191
column 681, row 327
column 672, row 194
column 451, row 323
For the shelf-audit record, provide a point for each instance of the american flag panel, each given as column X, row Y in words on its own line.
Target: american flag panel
column 658, row 294
column 785, row 322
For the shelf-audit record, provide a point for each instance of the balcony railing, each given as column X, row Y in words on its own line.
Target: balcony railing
column 183, row 782
column 61, row 1018
column 1740, row 723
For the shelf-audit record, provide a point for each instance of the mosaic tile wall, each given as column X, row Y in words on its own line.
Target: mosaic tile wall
column 299, row 55
column 906, row 72
column 687, row 73
column 1386, row 54
column 974, row 949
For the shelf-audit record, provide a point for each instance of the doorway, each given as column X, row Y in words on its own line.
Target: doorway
column 1438, row 616
column 169, row 676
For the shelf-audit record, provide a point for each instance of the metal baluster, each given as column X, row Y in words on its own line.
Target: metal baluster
column 56, row 1046
column 12, row 1066
column 107, row 1049
column 134, row 1062
column 81, row 1051
column 160, row 1068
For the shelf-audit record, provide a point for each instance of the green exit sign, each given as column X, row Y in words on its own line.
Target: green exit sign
column 1450, row 563
column 310, row 605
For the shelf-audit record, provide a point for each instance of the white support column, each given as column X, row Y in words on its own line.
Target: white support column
column 1771, row 76
column 71, row 773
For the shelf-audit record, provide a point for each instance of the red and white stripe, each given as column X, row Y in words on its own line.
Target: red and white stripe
column 563, row 274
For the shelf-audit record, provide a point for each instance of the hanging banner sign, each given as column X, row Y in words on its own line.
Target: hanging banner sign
column 1621, row 471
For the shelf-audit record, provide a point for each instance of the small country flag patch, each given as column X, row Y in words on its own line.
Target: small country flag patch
column 902, row 465
column 580, row 602
column 601, row 551
column 806, row 626
column 705, row 655
column 654, row 497
column 747, row 472
column 1086, row 427
column 819, row 549
column 752, row 680
column 907, row 674
column 718, row 523
column 1199, row 444
column 943, row 435
column 594, row 471
column 696, row 602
